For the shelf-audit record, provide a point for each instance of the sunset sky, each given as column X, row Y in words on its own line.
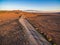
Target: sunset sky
column 44, row 5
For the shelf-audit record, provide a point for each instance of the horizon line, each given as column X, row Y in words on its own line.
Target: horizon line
column 31, row 10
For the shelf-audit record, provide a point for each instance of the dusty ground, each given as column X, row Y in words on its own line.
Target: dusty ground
column 9, row 27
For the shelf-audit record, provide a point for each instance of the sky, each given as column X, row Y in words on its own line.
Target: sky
column 43, row 5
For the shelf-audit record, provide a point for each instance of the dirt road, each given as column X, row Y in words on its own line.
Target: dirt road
column 34, row 37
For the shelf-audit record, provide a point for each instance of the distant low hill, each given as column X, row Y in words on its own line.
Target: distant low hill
column 37, row 11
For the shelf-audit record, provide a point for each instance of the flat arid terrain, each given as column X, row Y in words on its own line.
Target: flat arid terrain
column 12, row 32
column 47, row 25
